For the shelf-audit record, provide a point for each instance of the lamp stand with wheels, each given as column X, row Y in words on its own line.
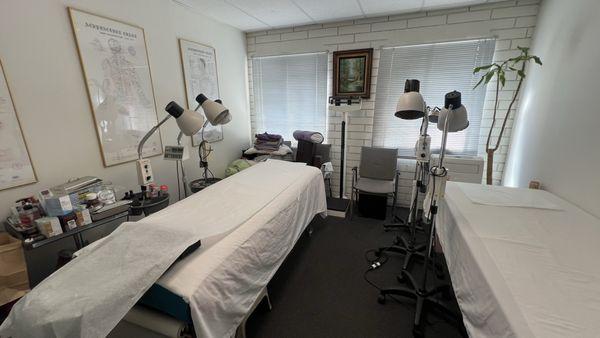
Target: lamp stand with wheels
column 410, row 248
column 451, row 120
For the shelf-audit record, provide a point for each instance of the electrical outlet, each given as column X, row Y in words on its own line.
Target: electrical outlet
column 144, row 170
column 422, row 149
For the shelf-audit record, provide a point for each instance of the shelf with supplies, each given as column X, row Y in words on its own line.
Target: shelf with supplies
column 34, row 239
column 43, row 254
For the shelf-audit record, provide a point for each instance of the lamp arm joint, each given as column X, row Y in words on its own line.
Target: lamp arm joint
column 148, row 134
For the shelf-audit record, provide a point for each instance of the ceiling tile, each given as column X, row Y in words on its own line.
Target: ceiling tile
column 330, row 10
column 375, row 7
column 252, row 15
column 223, row 12
column 275, row 13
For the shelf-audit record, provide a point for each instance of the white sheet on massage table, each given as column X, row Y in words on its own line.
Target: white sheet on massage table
column 221, row 279
column 522, row 272
column 90, row 295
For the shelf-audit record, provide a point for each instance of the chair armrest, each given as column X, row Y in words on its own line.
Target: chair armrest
column 354, row 176
column 396, row 179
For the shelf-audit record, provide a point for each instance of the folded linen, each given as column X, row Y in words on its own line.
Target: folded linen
column 268, row 137
column 281, row 151
column 268, row 145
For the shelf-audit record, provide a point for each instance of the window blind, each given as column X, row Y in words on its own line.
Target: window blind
column 441, row 68
column 290, row 93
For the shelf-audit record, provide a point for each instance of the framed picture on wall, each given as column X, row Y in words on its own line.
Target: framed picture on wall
column 114, row 59
column 15, row 164
column 199, row 64
column 352, row 72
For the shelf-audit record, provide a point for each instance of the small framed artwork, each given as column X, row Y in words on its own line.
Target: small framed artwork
column 352, row 72
column 199, row 63
column 116, row 68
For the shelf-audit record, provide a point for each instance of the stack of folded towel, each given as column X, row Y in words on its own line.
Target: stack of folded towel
column 268, row 142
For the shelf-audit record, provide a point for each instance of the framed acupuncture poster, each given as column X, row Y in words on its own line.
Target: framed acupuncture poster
column 15, row 164
column 114, row 59
column 199, row 64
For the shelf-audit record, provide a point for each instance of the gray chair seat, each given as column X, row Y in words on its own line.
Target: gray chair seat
column 374, row 186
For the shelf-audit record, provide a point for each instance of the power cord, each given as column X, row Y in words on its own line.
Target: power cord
column 369, row 281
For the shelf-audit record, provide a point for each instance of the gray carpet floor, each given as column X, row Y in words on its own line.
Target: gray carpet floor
column 319, row 291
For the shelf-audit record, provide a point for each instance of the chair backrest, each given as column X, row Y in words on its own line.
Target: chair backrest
column 313, row 154
column 305, row 152
column 324, row 152
column 378, row 163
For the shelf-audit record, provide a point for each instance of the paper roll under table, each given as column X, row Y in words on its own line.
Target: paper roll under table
column 155, row 321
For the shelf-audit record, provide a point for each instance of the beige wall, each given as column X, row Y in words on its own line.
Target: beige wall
column 511, row 22
column 40, row 59
column 556, row 135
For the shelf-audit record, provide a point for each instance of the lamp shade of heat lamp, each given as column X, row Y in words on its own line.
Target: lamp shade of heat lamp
column 455, row 112
column 189, row 122
column 214, row 111
column 411, row 105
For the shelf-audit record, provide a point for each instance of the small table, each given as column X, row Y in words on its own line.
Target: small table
column 202, row 183
column 148, row 206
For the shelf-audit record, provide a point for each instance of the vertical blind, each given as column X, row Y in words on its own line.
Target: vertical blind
column 290, row 93
column 441, row 68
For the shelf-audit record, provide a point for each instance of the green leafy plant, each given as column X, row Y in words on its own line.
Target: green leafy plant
column 516, row 65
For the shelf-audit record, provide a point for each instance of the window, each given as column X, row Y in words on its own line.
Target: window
column 290, row 93
column 441, row 68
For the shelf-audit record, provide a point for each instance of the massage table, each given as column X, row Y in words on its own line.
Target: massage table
column 246, row 258
column 247, row 224
column 523, row 263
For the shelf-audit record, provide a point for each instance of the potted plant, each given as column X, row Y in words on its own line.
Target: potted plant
column 515, row 64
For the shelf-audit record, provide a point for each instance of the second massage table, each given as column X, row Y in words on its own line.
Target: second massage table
column 523, row 263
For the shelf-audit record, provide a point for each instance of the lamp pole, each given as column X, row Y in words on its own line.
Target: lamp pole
column 342, row 153
column 419, row 290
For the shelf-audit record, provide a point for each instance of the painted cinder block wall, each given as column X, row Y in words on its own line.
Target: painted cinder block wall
column 511, row 23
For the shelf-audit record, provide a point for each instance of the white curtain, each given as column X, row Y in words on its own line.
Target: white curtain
column 441, row 68
column 290, row 93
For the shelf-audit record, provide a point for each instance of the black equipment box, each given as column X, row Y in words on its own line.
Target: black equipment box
column 372, row 206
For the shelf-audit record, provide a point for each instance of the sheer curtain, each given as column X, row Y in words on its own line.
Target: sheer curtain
column 441, row 68
column 290, row 93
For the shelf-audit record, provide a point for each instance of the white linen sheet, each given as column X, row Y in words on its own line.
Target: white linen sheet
column 507, row 196
column 91, row 294
column 522, row 272
column 221, row 280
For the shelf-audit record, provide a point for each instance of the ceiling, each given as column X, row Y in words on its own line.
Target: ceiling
column 253, row 15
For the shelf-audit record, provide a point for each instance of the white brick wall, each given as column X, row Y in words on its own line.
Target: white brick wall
column 512, row 23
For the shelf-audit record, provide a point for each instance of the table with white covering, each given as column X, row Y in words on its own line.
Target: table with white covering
column 91, row 294
column 221, row 280
column 523, row 263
